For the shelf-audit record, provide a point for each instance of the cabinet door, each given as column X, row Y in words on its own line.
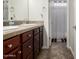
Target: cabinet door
column 15, row 54
column 36, row 45
column 36, row 42
column 27, row 49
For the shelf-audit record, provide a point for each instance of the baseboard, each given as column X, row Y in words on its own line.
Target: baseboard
column 71, row 50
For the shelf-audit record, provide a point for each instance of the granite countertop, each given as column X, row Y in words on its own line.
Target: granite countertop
column 21, row 29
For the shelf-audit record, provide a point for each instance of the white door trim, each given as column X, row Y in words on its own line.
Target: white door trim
column 67, row 23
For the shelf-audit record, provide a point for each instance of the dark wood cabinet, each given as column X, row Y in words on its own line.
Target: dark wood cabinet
column 26, row 36
column 27, row 49
column 24, row 46
column 10, row 44
column 36, row 42
column 36, row 31
column 27, row 45
column 15, row 54
column 11, row 48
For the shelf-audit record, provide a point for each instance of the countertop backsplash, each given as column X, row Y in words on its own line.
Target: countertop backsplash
column 18, row 22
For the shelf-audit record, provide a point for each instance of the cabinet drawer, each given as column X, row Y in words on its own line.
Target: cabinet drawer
column 36, row 31
column 41, row 28
column 36, row 41
column 11, row 43
column 27, row 35
column 27, row 48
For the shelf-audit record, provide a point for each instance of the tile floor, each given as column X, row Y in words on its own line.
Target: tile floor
column 56, row 51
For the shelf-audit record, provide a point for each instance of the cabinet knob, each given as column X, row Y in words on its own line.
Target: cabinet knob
column 19, row 52
column 10, row 45
column 30, row 46
column 29, row 35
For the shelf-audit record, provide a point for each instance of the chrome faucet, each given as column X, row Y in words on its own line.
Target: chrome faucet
column 11, row 22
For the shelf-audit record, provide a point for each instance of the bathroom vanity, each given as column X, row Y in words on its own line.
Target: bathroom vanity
column 25, row 42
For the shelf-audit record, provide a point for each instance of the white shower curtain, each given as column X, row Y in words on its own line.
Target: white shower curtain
column 58, row 21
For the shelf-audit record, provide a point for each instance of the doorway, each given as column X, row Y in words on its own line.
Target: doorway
column 58, row 20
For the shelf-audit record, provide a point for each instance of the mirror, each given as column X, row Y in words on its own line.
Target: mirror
column 15, row 10
column 5, row 9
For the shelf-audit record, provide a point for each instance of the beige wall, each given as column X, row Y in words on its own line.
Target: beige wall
column 38, row 11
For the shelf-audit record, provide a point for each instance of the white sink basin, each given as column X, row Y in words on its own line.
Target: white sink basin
column 9, row 27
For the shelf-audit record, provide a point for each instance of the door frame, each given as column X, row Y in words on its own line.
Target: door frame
column 67, row 23
column 67, row 34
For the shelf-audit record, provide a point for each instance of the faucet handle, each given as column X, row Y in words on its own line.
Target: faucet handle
column 11, row 23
